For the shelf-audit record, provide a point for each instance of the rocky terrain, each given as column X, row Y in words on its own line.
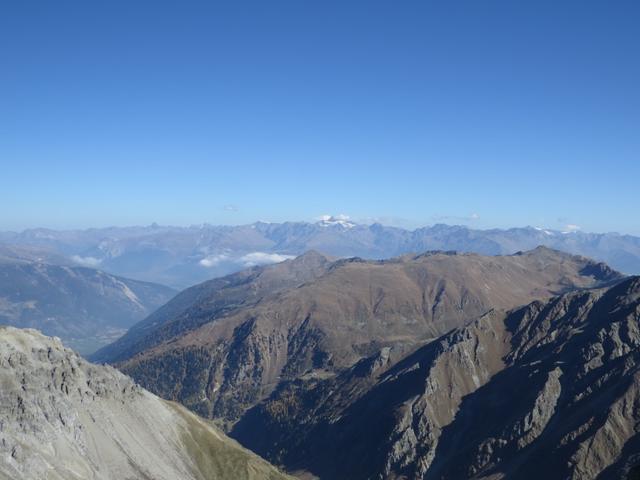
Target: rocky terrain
column 422, row 367
column 224, row 361
column 62, row 418
column 183, row 256
column 87, row 308
column 548, row 390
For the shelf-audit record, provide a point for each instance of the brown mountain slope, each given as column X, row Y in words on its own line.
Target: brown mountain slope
column 550, row 390
column 215, row 298
column 354, row 310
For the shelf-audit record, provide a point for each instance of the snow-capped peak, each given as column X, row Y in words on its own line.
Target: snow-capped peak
column 544, row 230
column 337, row 220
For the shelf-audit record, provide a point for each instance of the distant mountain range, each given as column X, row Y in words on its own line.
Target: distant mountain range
column 184, row 256
column 62, row 418
column 85, row 307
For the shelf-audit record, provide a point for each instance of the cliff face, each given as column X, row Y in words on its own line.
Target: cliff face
column 64, row 418
column 548, row 390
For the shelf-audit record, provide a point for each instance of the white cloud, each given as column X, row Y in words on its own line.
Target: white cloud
column 249, row 260
column 231, row 208
column 263, row 258
column 86, row 261
column 213, row 260
column 572, row 227
column 333, row 218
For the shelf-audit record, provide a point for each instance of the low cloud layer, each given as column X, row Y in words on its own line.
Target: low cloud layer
column 249, row 260
column 262, row 258
column 214, row 260
column 86, row 261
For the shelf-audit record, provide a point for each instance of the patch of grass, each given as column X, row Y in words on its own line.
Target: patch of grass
column 218, row 457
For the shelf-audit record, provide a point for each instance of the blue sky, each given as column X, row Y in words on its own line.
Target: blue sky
column 490, row 113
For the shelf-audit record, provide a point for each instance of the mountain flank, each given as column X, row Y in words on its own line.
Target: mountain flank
column 85, row 307
column 62, row 418
column 215, row 298
column 227, row 361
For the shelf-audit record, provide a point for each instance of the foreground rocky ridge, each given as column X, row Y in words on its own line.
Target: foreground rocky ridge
column 318, row 328
column 548, row 390
column 64, row 418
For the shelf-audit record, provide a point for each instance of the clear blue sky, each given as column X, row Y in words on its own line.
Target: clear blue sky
column 130, row 112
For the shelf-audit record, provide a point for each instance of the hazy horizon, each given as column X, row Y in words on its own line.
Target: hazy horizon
column 395, row 223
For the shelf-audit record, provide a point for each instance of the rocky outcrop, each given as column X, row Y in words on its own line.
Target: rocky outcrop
column 64, row 418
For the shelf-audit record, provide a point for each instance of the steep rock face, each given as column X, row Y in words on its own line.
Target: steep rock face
column 87, row 308
column 350, row 312
column 550, row 390
column 377, row 419
column 64, row 418
column 573, row 370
